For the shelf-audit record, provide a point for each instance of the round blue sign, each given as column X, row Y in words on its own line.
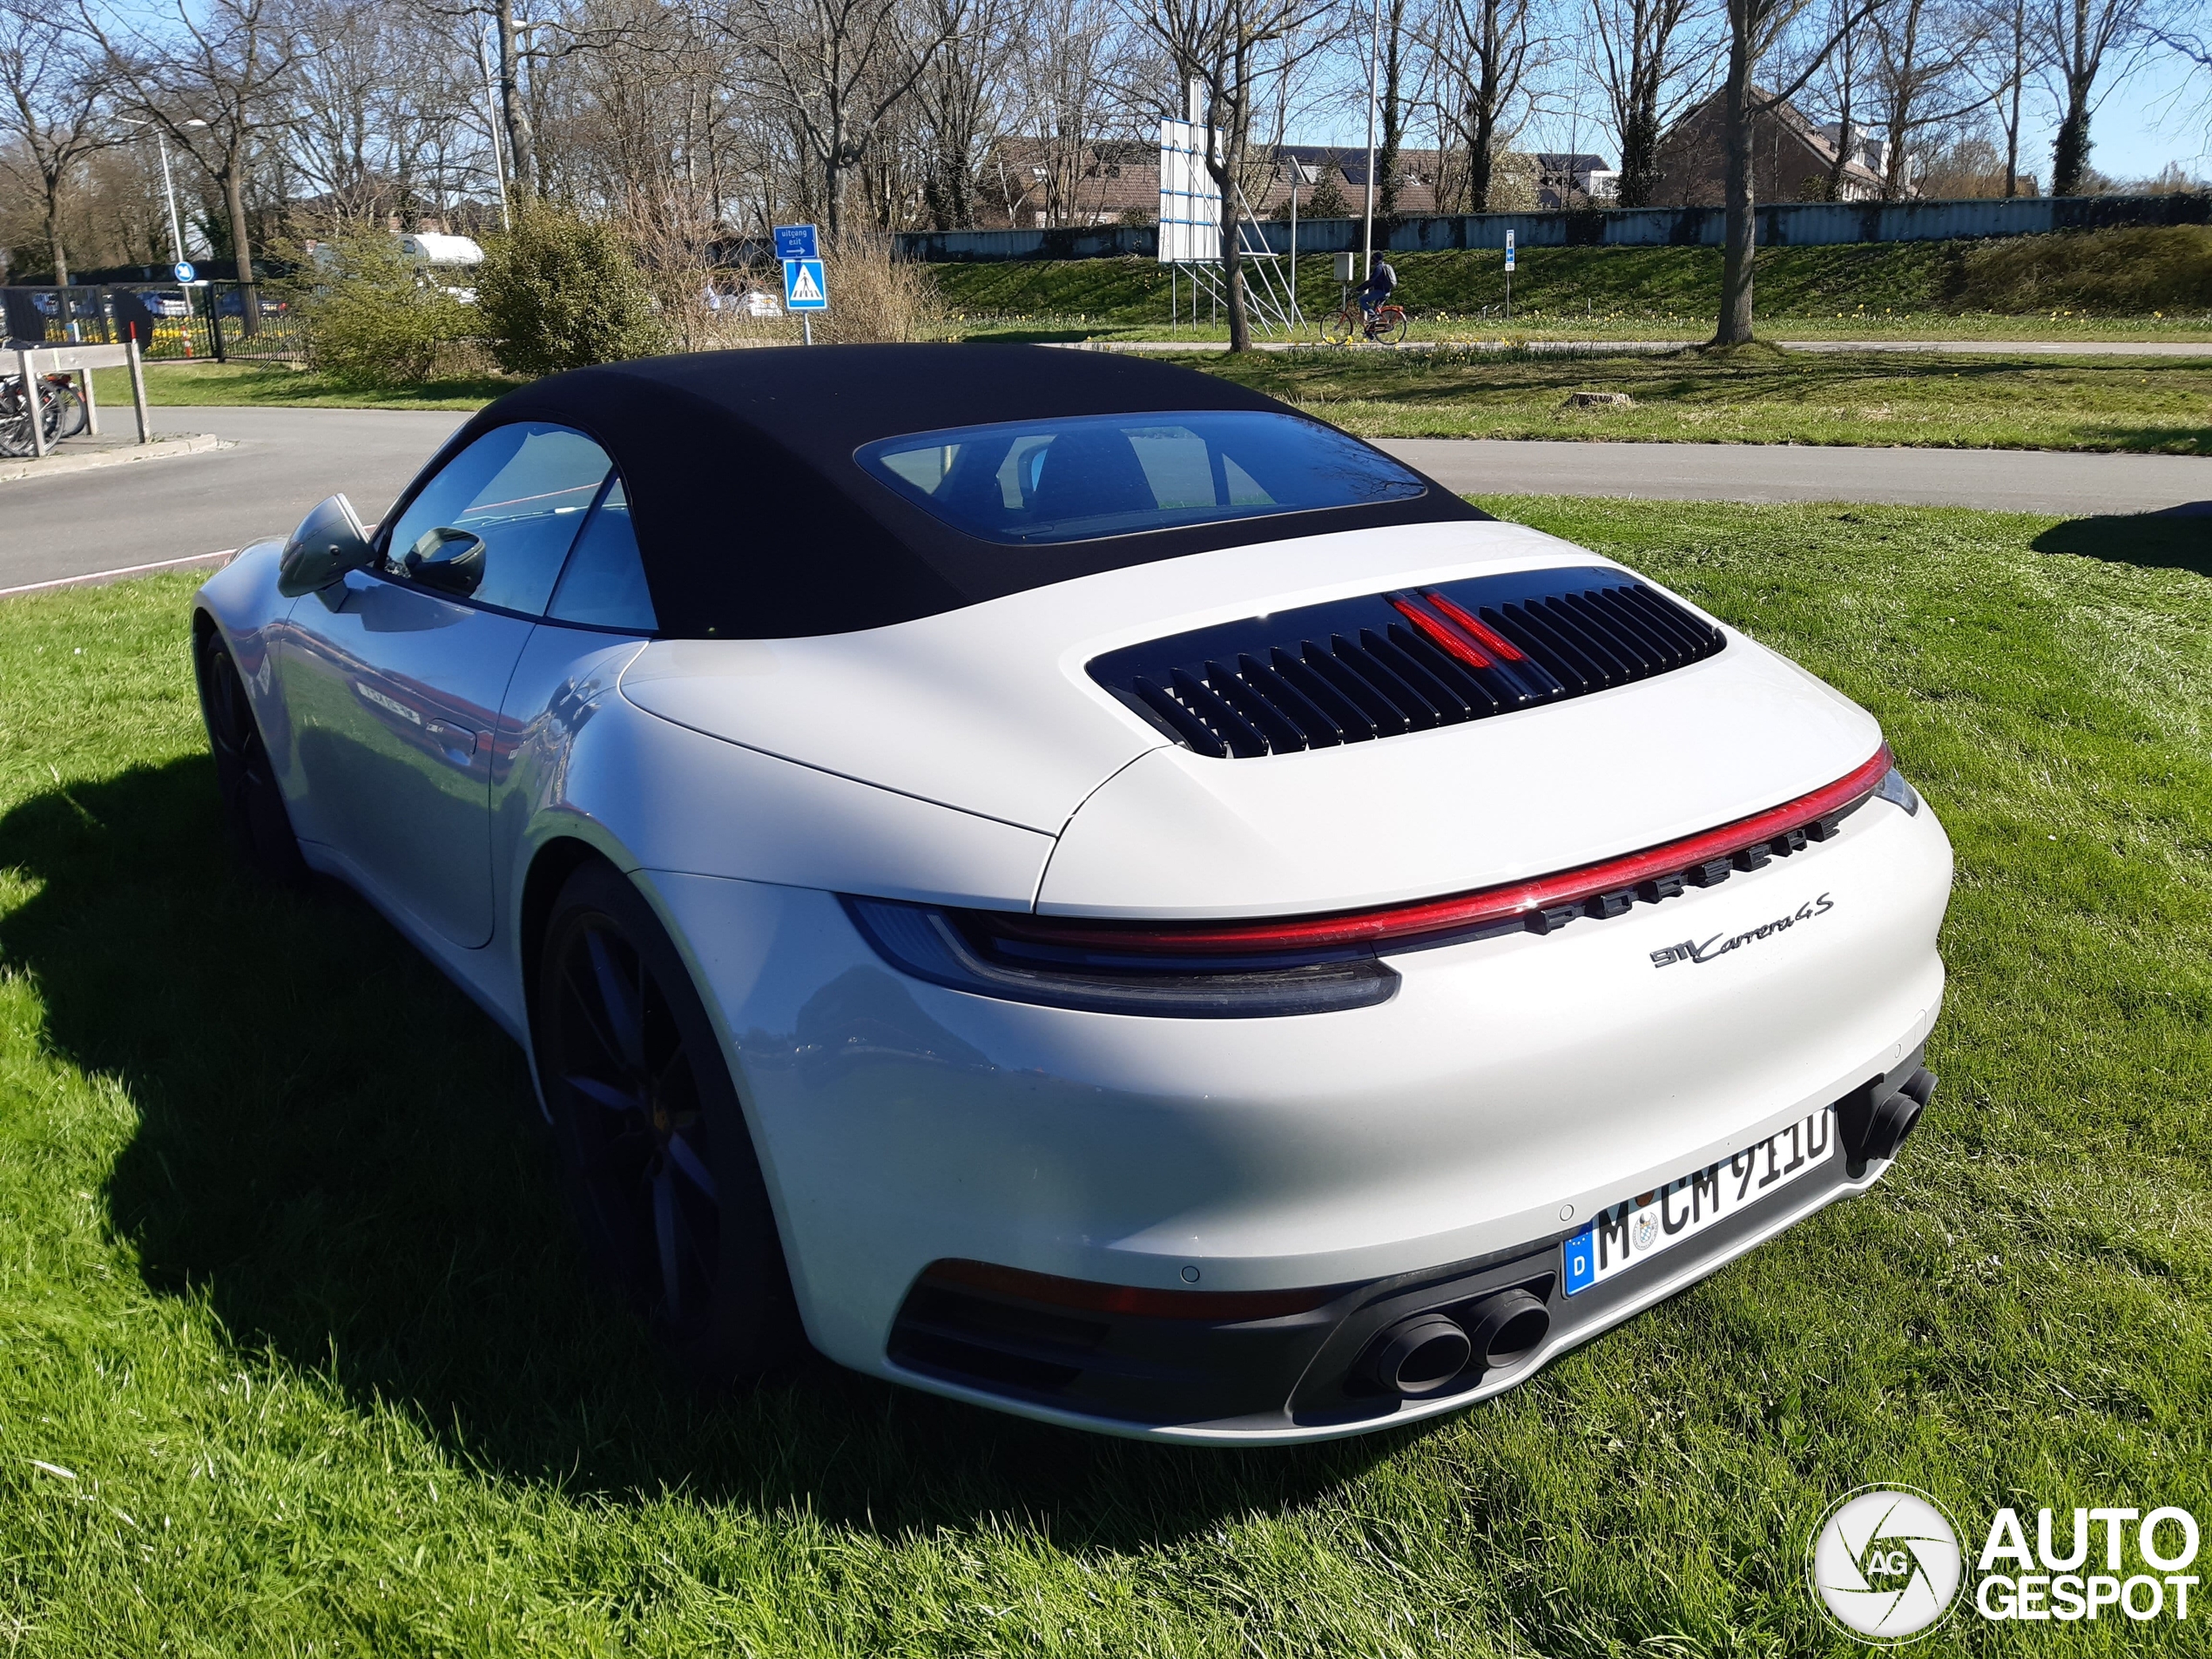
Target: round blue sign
column 183, row 268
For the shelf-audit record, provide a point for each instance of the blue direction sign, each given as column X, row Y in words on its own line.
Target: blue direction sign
column 796, row 242
column 183, row 268
column 1509, row 250
column 805, row 287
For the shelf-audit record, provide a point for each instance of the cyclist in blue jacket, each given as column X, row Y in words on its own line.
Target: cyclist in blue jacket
column 1381, row 279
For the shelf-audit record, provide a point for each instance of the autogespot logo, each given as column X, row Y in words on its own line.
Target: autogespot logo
column 1885, row 1564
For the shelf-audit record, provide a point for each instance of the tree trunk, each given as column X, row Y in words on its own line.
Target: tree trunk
column 2013, row 129
column 2070, row 155
column 1734, row 328
column 59, row 253
column 1639, row 156
column 1482, row 156
column 521, row 142
column 241, row 246
column 833, row 170
column 1843, row 129
column 1232, row 241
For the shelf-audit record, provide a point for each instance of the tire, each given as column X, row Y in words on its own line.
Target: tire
column 1339, row 328
column 254, row 810
column 15, row 420
column 68, row 417
column 656, row 1151
column 1390, row 327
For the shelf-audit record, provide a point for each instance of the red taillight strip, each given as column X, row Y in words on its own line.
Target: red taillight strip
column 1516, row 899
column 1091, row 1297
column 1481, row 629
column 1441, row 635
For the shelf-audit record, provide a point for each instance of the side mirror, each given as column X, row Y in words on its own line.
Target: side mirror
column 329, row 543
column 450, row 561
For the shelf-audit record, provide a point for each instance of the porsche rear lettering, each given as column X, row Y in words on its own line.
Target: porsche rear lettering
column 1720, row 945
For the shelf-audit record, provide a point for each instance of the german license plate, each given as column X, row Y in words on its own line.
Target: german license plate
column 1633, row 1230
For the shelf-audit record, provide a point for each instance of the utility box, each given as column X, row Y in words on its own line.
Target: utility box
column 1347, row 267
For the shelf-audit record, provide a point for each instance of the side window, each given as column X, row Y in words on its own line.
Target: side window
column 522, row 491
column 604, row 584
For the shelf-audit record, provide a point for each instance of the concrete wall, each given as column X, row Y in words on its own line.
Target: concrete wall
column 1783, row 225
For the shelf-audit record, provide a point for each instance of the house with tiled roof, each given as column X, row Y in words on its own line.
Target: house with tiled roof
column 1793, row 158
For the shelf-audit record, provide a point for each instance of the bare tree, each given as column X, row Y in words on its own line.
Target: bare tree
column 49, row 97
column 1756, row 28
column 2078, row 39
column 1640, row 46
column 1482, row 48
column 1922, row 49
column 2001, row 68
column 212, row 85
column 1846, row 71
column 961, row 95
column 1399, row 45
column 1222, row 45
column 837, row 69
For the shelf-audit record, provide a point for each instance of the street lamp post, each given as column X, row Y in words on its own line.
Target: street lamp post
column 1374, row 76
column 169, row 194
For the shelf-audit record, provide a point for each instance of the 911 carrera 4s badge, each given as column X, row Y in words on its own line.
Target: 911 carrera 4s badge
column 1633, row 1230
column 1720, row 944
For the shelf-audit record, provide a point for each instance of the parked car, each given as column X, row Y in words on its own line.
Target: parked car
column 1067, row 883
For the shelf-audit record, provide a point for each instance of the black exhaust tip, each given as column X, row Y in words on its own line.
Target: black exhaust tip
column 1507, row 1328
column 1891, row 1121
column 1419, row 1356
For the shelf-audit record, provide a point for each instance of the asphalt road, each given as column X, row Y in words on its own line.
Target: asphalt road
column 2019, row 481
column 286, row 460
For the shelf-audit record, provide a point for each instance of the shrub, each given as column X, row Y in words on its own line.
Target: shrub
column 875, row 295
column 560, row 291
column 2164, row 268
column 372, row 320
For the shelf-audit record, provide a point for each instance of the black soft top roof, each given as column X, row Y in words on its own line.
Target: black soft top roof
column 755, row 521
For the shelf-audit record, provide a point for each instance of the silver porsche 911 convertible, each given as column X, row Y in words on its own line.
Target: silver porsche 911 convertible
column 1061, row 882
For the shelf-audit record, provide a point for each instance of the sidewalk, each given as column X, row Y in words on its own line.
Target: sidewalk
column 108, row 449
column 1976, row 348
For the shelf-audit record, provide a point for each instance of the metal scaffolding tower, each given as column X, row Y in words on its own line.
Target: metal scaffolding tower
column 1191, row 236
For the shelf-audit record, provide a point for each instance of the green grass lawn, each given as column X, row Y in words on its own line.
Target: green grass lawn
column 2104, row 285
column 282, row 385
column 2155, row 404
column 298, row 1356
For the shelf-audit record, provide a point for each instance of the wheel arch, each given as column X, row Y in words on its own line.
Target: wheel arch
column 550, row 867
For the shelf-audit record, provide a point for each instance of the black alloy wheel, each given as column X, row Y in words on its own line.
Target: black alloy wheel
column 253, row 809
column 658, row 1155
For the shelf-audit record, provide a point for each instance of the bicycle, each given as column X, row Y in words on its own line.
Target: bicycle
column 1386, row 327
column 61, row 411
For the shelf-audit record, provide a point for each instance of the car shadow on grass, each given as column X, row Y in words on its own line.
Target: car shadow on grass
column 2178, row 538
column 343, row 1156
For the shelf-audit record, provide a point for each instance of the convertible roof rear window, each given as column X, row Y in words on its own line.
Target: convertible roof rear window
column 1083, row 478
column 778, row 493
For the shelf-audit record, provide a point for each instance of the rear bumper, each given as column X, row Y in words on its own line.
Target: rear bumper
column 1296, row 1378
column 1510, row 1084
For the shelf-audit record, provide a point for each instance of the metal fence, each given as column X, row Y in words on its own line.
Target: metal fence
column 221, row 321
column 1780, row 225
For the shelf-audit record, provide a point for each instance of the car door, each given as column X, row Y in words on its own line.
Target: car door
column 395, row 677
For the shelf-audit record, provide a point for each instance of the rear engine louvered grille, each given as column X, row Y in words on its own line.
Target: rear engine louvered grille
column 1372, row 667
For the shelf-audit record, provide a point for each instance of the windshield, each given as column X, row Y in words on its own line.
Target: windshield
column 1087, row 477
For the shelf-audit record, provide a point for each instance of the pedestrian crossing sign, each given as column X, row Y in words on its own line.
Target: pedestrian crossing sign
column 805, row 288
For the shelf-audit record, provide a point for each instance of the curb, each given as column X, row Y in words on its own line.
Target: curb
column 101, row 578
column 160, row 449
